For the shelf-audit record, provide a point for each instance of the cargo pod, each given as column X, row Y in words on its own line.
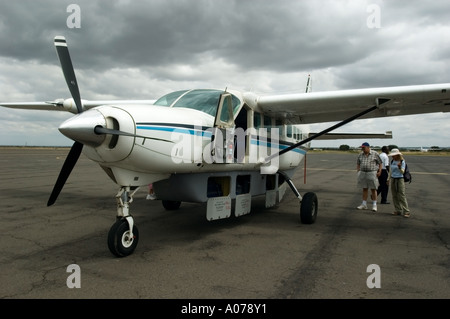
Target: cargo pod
column 219, row 199
column 243, row 196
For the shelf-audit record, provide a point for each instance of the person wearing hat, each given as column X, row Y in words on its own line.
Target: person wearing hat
column 398, row 192
column 368, row 165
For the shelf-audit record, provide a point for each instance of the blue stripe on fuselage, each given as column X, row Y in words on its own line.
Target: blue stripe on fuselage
column 195, row 130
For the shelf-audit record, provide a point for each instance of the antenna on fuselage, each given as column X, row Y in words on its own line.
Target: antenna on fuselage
column 309, row 84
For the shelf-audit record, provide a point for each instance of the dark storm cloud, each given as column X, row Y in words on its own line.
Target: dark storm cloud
column 277, row 36
column 272, row 35
column 27, row 29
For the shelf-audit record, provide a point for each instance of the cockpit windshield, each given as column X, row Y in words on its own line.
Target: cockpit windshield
column 202, row 100
column 168, row 99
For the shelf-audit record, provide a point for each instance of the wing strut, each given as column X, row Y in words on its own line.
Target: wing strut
column 350, row 119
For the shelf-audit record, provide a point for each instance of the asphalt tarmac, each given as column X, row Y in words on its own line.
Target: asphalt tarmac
column 268, row 254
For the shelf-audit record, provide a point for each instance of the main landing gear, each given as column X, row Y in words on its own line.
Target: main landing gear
column 123, row 236
column 308, row 203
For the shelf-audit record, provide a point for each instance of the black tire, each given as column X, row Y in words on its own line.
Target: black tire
column 118, row 242
column 309, row 208
column 171, row 205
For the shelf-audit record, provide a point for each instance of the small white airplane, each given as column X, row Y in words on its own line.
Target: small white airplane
column 211, row 146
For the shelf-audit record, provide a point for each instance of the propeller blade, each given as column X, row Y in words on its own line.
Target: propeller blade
column 69, row 74
column 69, row 163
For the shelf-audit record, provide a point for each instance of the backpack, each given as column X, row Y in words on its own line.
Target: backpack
column 406, row 174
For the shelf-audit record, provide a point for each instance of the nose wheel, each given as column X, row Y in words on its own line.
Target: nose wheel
column 121, row 241
column 123, row 235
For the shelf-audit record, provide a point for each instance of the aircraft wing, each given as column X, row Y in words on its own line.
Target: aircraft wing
column 34, row 106
column 317, row 107
column 68, row 105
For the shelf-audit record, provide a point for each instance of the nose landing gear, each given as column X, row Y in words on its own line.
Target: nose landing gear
column 123, row 236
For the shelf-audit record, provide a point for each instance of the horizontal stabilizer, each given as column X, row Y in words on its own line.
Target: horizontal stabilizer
column 348, row 136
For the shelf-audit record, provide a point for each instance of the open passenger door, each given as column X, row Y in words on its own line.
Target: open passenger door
column 222, row 140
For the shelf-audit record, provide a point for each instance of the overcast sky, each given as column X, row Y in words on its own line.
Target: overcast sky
column 144, row 49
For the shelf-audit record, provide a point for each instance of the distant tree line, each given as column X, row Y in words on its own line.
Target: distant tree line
column 345, row 147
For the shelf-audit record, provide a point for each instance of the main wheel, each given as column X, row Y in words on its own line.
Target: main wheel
column 120, row 243
column 171, row 205
column 308, row 208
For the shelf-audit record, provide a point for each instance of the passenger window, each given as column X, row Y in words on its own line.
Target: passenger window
column 279, row 125
column 256, row 120
column 289, row 131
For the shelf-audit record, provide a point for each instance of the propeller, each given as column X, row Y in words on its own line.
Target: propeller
column 79, row 127
column 69, row 74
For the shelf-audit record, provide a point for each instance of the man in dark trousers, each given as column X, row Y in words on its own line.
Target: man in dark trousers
column 383, row 178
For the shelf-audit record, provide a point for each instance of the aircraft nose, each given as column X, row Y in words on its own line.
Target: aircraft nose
column 81, row 128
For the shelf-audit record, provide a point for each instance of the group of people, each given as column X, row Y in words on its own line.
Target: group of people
column 376, row 173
